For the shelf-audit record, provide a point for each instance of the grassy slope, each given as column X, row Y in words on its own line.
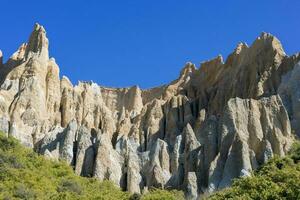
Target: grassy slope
column 26, row 175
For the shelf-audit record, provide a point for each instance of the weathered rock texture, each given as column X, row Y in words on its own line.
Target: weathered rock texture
column 197, row 133
column 289, row 91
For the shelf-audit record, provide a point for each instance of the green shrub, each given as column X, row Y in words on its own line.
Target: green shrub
column 295, row 152
column 23, row 192
column 159, row 194
column 70, row 186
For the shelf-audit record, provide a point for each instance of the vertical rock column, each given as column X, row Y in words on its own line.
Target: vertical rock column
column 1, row 59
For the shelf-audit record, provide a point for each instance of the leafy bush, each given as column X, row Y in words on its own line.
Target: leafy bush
column 295, row 152
column 23, row 192
column 70, row 186
column 158, row 194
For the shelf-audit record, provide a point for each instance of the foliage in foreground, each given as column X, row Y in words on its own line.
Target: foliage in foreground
column 158, row 194
column 277, row 179
column 26, row 175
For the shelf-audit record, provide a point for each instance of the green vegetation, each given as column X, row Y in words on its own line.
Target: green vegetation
column 156, row 194
column 277, row 179
column 26, row 175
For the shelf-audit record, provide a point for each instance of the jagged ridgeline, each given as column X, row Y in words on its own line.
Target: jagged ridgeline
column 199, row 132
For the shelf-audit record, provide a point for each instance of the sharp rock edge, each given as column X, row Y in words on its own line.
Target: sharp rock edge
column 199, row 132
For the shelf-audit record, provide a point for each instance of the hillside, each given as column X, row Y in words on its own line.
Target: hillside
column 26, row 175
column 214, row 123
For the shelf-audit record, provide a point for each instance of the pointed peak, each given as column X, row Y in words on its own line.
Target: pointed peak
column 134, row 88
column 267, row 38
column 38, row 43
column 191, row 141
column 65, row 82
column 65, row 78
column 38, row 27
column 264, row 34
column 19, row 54
column 240, row 47
column 188, row 132
column 268, row 41
column 187, row 69
column 220, row 58
column 212, row 66
column 188, row 128
column 216, row 60
column 52, row 60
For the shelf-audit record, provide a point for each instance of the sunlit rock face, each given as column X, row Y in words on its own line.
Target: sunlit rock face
column 199, row 132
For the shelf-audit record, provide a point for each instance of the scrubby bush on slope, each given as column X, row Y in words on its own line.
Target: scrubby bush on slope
column 26, row 175
column 156, row 194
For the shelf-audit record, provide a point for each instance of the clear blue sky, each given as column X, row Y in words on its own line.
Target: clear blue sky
column 144, row 42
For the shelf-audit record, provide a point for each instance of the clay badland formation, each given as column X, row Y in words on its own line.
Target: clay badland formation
column 212, row 124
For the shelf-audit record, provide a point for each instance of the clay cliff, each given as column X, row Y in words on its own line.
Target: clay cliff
column 199, row 132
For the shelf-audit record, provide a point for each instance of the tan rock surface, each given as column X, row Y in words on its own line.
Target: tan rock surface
column 196, row 133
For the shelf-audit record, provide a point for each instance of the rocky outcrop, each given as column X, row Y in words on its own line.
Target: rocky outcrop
column 85, row 147
column 197, row 133
column 108, row 162
column 248, row 130
column 290, row 93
